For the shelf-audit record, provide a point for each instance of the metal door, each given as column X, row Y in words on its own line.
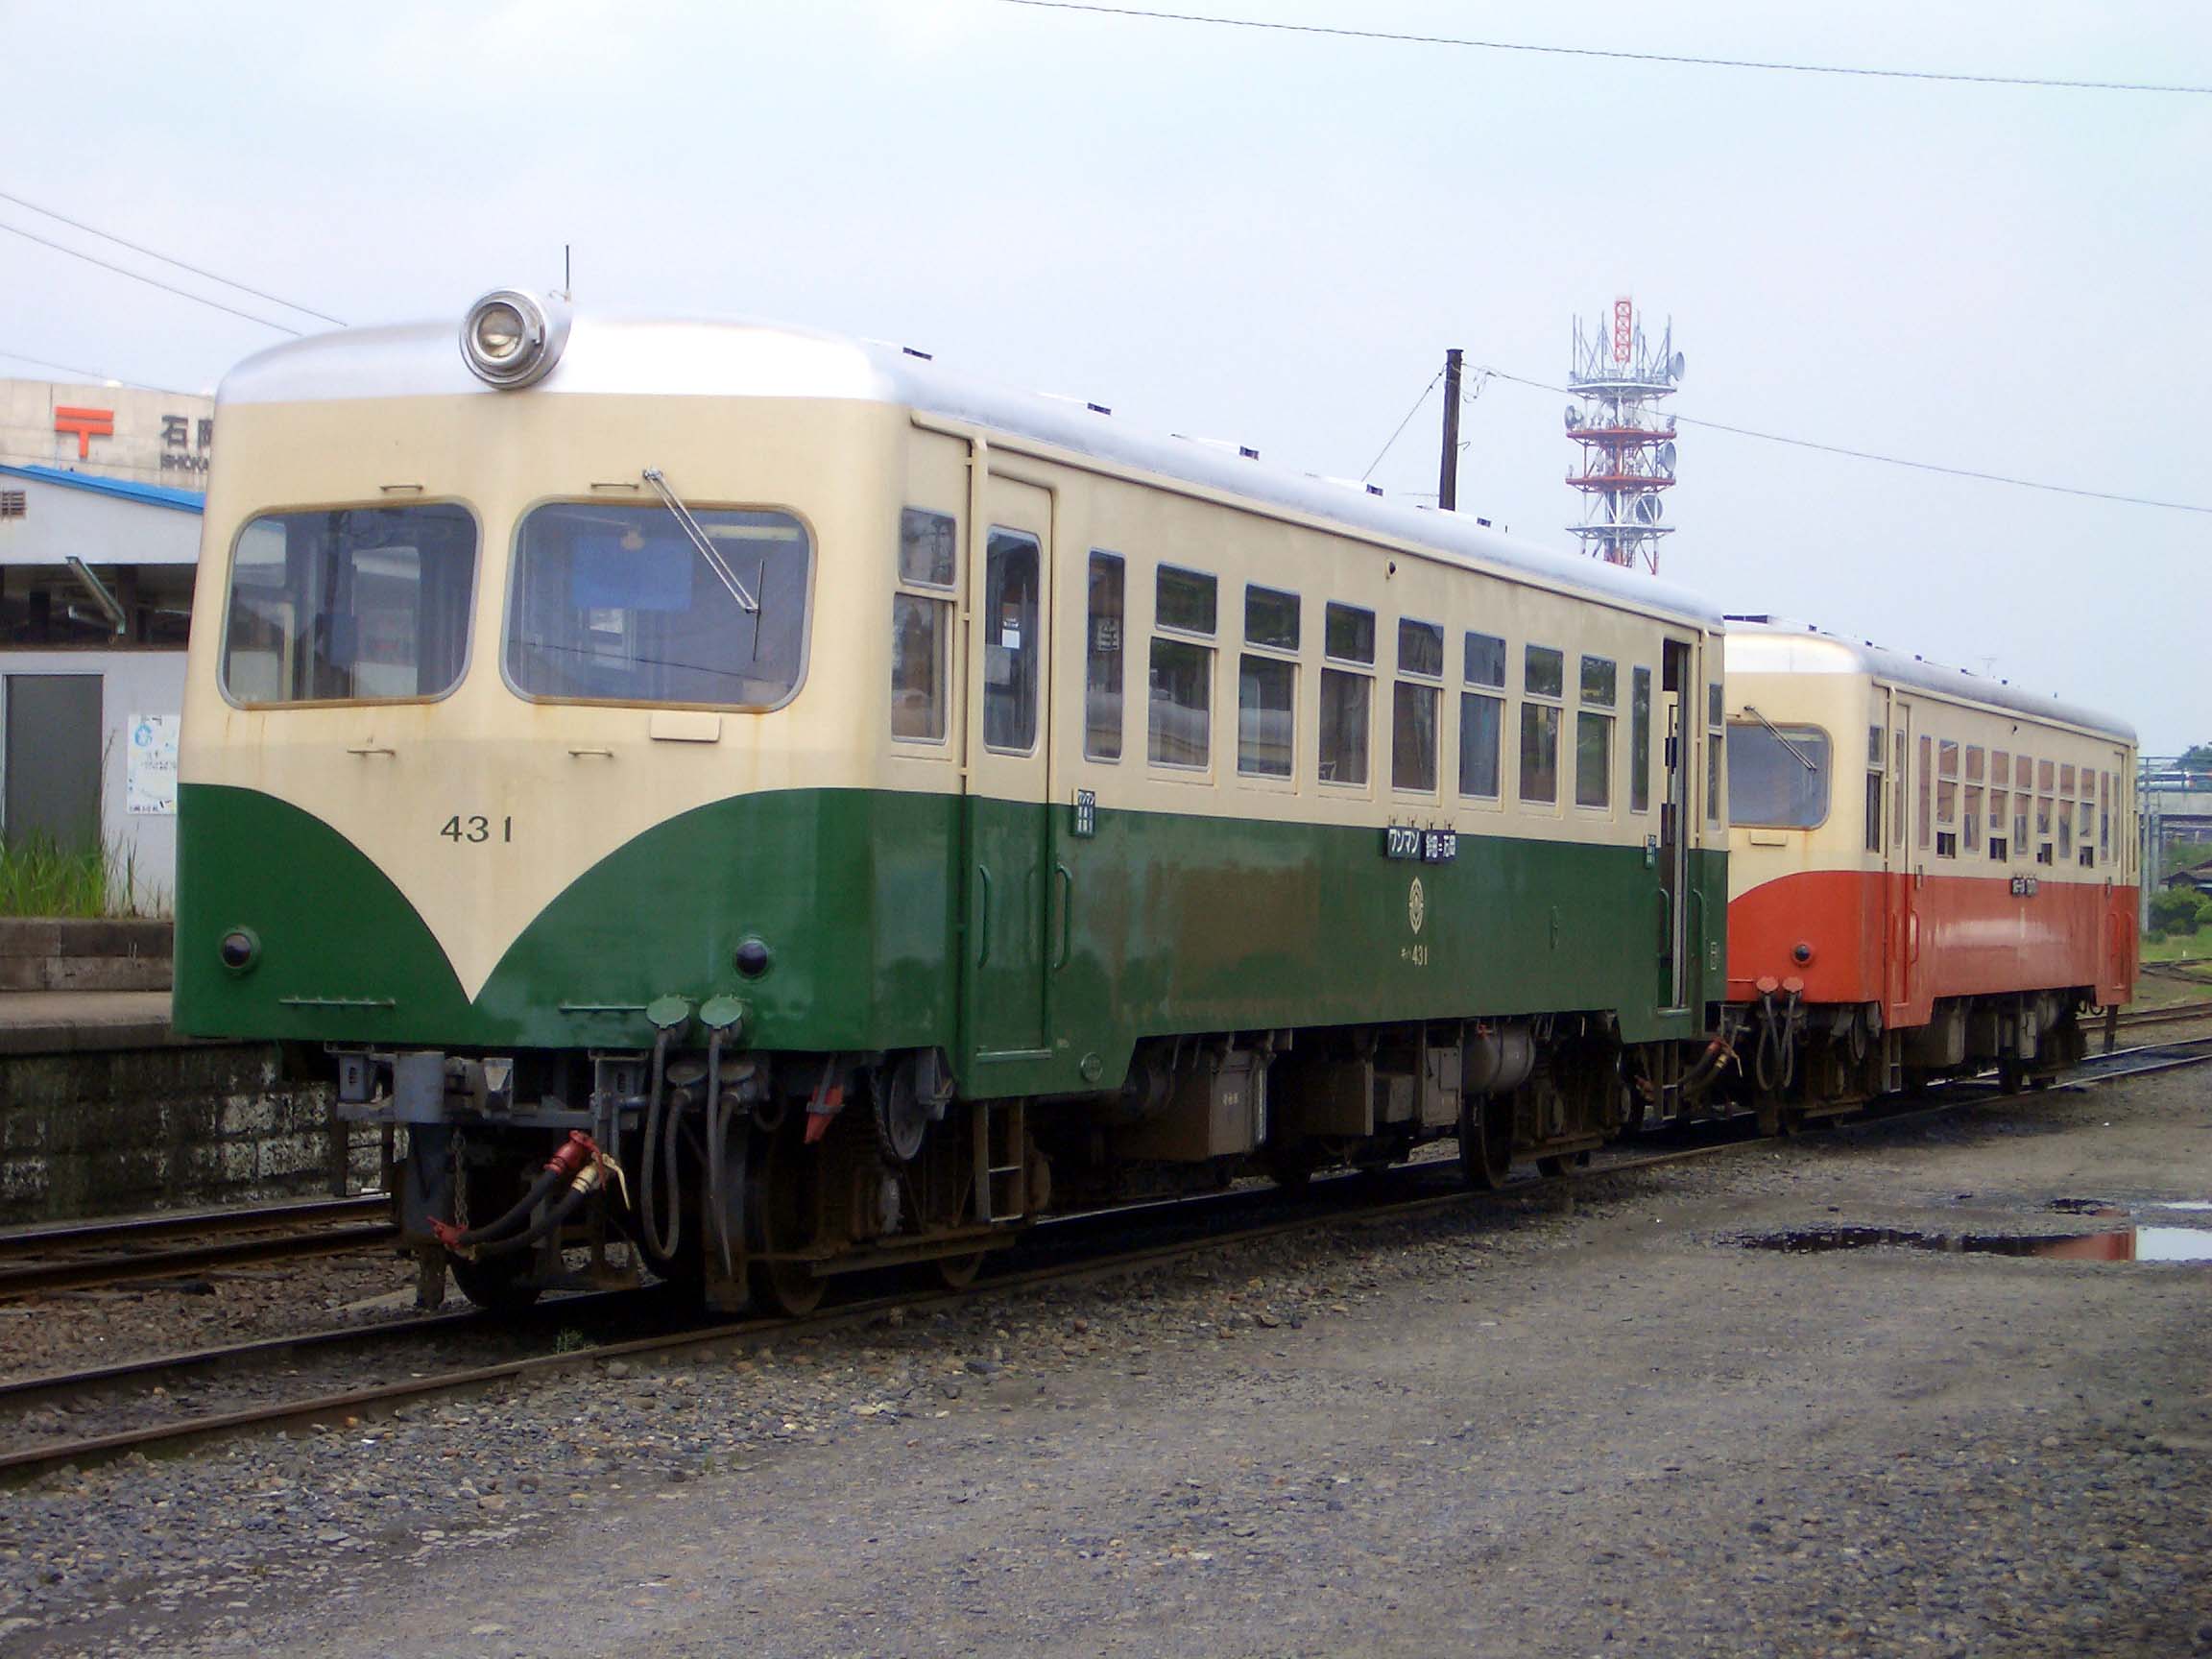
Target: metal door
column 1007, row 824
column 53, row 760
column 1677, row 697
column 1900, row 925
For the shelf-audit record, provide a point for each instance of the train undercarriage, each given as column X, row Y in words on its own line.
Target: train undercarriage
column 757, row 1179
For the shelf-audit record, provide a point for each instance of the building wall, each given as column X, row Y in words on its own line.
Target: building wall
column 62, row 521
column 157, row 437
column 133, row 683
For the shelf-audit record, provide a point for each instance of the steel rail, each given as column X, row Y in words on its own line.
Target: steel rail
column 41, row 1236
column 285, row 1238
column 318, row 1411
column 2173, row 1014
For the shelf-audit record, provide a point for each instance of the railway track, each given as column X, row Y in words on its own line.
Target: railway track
column 2173, row 1013
column 1067, row 1250
column 84, row 1255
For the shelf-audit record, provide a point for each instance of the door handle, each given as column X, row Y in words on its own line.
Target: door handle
column 983, row 918
column 1067, row 877
column 366, row 749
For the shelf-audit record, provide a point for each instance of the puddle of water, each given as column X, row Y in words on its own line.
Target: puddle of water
column 2109, row 1208
column 2112, row 1244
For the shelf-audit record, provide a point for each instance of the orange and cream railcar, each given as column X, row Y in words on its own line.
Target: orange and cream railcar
column 1929, row 872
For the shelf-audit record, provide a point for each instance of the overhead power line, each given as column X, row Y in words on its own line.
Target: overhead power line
column 141, row 276
column 1668, row 57
column 171, row 259
column 1872, row 455
column 88, row 374
column 1402, row 425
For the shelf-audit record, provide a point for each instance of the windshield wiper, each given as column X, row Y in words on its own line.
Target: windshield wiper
column 701, row 540
column 1795, row 754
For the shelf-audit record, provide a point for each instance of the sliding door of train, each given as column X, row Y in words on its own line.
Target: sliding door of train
column 1900, row 926
column 1007, row 833
column 1677, row 683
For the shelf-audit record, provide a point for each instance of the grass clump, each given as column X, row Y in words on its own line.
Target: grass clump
column 41, row 876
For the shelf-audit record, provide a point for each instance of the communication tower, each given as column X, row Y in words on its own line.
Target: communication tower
column 1627, row 440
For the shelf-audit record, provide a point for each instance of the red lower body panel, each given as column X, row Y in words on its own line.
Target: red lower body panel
column 1859, row 936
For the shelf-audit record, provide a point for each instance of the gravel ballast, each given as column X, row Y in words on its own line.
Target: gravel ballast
column 1612, row 1430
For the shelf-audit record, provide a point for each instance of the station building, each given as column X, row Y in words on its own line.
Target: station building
column 102, row 490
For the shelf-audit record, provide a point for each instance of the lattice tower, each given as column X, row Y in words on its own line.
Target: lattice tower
column 1627, row 441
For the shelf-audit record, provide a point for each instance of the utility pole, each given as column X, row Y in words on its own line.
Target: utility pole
column 1448, row 476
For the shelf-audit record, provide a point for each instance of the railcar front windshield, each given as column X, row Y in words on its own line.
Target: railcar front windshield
column 1777, row 776
column 613, row 603
column 349, row 605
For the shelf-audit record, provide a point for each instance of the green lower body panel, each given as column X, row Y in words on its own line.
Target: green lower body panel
column 1035, row 958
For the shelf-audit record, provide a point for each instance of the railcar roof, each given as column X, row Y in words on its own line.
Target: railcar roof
column 737, row 359
column 1768, row 645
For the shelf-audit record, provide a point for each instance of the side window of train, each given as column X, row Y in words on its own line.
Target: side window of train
column 2046, row 780
column 1543, row 687
column 1347, row 639
column 2105, row 815
column 1010, row 567
column 2066, row 814
column 1924, row 795
column 1181, row 689
column 1413, row 700
column 1874, row 748
column 1946, row 799
column 1639, row 740
column 1715, row 745
column 2000, row 806
column 1267, row 683
column 1594, row 733
column 1104, row 632
column 921, row 625
column 2023, row 804
column 1970, row 825
column 1483, row 716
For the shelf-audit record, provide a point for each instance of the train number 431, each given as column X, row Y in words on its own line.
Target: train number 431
column 477, row 829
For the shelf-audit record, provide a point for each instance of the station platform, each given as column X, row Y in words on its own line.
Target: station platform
column 80, row 1022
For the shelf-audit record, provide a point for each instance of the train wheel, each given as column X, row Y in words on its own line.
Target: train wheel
column 1551, row 1168
column 1485, row 1141
column 779, row 1215
column 2011, row 1077
column 496, row 1284
column 958, row 1272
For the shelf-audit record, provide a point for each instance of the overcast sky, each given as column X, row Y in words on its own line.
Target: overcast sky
column 1273, row 239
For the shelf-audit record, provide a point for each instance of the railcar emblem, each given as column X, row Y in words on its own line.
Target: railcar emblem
column 1416, row 905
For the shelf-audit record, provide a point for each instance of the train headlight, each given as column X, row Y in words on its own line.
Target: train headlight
column 512, row 339
column 239, row 949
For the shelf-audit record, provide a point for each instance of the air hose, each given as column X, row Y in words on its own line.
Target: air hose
column 717, row 1148
column 578, row 1152
column 659, row 1148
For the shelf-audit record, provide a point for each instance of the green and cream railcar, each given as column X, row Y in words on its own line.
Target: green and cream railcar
column 853, row 801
